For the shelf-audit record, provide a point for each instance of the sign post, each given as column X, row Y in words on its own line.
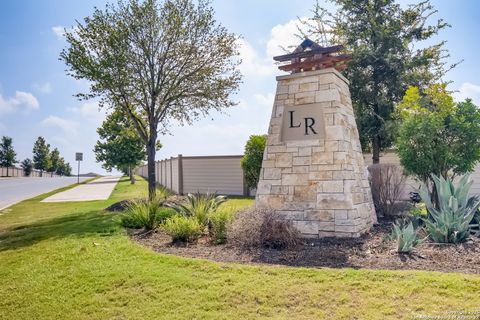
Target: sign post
column 78, row 157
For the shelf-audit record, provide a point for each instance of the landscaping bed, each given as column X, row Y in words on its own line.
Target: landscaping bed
column 370, row 251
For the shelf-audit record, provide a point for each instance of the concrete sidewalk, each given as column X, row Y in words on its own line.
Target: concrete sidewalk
column 99, row 189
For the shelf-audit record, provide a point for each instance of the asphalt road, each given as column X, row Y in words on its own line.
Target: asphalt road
column 13, row 190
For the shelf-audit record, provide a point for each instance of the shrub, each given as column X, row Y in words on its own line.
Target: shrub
column 199, row 206
column 261, row 228
column 450, row 221
column 252, row 160
column 406, row 236
column 145, row 214
column 278, row 233
column 182, row 229
column 388, row 184
column 218, row 225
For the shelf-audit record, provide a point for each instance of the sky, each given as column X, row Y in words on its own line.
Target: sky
column 37, row 97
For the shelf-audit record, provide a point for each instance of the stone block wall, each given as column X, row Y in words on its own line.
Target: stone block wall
column 320, row 184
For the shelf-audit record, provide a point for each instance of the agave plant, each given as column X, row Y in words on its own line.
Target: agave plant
column 199, row 205
column 450, row 221
column 406, row 236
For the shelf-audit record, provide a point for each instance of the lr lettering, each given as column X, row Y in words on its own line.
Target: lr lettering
column 308, row 122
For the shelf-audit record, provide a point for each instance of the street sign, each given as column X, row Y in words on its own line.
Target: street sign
column 78, row 157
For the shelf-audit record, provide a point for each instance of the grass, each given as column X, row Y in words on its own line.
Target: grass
column 73, row 261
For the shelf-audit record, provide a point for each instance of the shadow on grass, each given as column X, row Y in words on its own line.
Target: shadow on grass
column 82, row 224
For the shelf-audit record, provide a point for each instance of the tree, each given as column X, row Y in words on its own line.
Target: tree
column 252, row 159
column 27, row 166
column 7, row 153
column 156, row 62
column 383, row 39
column 41, row 152
column 437, row 136
column 119, row 145
column 54, row 161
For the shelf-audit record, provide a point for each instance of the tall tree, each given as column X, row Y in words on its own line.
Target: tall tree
column 27, row 166
column 119, row 146
column 7, row 153
column 41, row 153
column 156, row 62
column 437, row 136
column 388, row 54
column 54, row 161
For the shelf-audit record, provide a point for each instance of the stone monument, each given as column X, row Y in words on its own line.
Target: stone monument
column 313, row 171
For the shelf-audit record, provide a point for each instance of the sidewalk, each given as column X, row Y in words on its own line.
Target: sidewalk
column 99, row 189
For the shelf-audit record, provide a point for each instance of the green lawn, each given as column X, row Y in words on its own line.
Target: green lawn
column 73, row 261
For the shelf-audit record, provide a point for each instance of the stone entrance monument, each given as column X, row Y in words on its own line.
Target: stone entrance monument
column 313, row 170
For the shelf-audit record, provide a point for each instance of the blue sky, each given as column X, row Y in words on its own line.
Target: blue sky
column 36, row 97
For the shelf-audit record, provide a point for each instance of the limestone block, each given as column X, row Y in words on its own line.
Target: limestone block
column 301, row 161
column 327, row 95
column 341, row 215
column 272, row 173
column 322, row 158
column 300, row 169
column 320, row 215
column 304, row 193
column 335, row 133
column 309, row 86
column 283, row 160
column 307, row 227
column 333, row 186
column 305, row 151
column 297, row 179
column 334, row 201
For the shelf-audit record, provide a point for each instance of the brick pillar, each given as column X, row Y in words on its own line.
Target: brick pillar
column 313, row 171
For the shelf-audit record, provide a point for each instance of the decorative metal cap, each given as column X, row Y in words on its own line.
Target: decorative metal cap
column 310, row 56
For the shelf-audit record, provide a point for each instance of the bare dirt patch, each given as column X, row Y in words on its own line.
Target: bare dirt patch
column 369, row 251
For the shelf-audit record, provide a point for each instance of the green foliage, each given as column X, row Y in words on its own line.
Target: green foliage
column 449, row 222
column 155, row 62
column 406, row 236
column 252, row 159
column 183, row 229
column 437, row 135
column 119, row 146
column 7, row 153
column 27, row 166
column 217, row 227
column 41, row 152
column 147, row 214
column 386, row 42
column 199, row 206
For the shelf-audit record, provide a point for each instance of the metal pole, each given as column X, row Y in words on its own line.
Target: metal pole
column 78, row 173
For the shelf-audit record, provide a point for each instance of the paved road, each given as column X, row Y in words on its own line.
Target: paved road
column 13, row 190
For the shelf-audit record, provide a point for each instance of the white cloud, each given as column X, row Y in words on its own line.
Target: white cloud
column 90, row 111
column 59, row 32
column 44, row 88
column 67, row 126
column 22, row 100
column 283, row 36
column 468, row 91
column 265, row 100
column 252, row 63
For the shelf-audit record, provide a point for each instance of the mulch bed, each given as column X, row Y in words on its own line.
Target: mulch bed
column 369, row 251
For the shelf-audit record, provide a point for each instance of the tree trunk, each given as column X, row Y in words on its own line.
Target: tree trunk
column 7, row 171
column 376, row 150
column 151, row 167
column 132, row 177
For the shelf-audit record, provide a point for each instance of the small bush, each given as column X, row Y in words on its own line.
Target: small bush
column 261, row 228
column 406, row 236
column 388, row 183
column 199, row 206
column 182, row 229
column 449, row 221
column 218, row 225
column 145, row 214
